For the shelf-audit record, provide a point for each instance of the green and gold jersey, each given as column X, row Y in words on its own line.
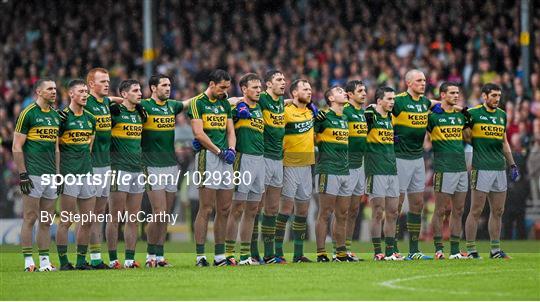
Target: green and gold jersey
column 380, row 157
column 357, row 134
column 126, row 141
column 488, row 134
column 41, row 129
column 75, row 139
column 298, row 142
column 274, row 126
column 410, row 119
column 332, row 137
column 250, row 132
column 446, row 131
column 214, row 115
column 101, row 156
column 158, row 132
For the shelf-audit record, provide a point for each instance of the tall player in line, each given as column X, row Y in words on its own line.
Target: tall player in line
column 332, row 174
column 213, row 128
column 382, row 184
column 450, row 180
column 491, row 155
column 127, row 184
column 76, row 137
column 35, row 152
column 249, row 163
column 159, row 161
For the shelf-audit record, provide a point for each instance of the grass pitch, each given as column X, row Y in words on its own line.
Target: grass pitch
column 515, row 279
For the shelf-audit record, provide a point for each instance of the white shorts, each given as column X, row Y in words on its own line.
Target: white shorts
column 382, row 186
column 489, row 181
column 104, row 188
column 338, row 185
column 255, row 166
column 82, row 190
column 40, row 190
column 297, row 183
column 411, row 174
column 209, row 166
column 129, row 182
column 358, row 181
column 274, row 172
column 162, row 178
column 450, row 182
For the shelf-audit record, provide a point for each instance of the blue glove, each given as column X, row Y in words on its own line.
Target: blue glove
column 227, row 155
column 396, row 138
column 514, row 173
column 196, row 145
column 242, row 111
column 437, row 109
column 313, row 108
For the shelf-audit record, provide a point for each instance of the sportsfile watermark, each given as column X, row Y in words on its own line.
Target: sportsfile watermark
column 119, row 177
column 121, row 217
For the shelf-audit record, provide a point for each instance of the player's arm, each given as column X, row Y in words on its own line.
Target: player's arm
column 467, row 135
column 231, row 136
column 200, row 135
column 234, row 100
column 57, row 155
column 508, row 152
column 17, row 149
column 287, row 102
column 435, row 102
column 118, row 100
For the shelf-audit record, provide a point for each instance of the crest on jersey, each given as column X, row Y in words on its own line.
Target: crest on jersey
column 493, row 119
column 501, row 119
column 452, row 120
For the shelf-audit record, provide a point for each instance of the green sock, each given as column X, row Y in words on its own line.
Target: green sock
column 62, row 254
column 199, row 249
column 151, row 249
column 348, row 243
column 413, row 225
column 244, row 250
column 495, row 245
column 81, row 254
column 396, row 239
column 219, row 248
column 454, row 244
column 281, row 224
column 229, row 248
column 44, row 252
column 254, row 248
column 376, row 245
column 334, row 246
column 268, row 229
column 27, row 251
column 130, row 255
column 299, row 234
column 341, row 251
column 113, row 255
column 159, row 250
column 471, row 246
column 95, row 252
column 437, row 241
column 389, row 246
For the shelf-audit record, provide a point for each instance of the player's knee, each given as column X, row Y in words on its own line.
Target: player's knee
column 391, row 215
column 271, row 210
column 497, row 212
column 30, row 217
column 205, row 211
column 476, row 213
column 457, row 212
column 378, row 213
column 439, row 212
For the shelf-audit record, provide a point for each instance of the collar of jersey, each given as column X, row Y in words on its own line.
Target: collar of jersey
column 75, row 113
column 159, row 102
column 42, row 110
column 354, row 106
column 412, row 98
column 487, row 109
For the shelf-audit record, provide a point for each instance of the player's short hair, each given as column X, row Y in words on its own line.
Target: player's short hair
column 379, row 93
column 351, row 85
column 487, row 88
column 444, row 86
column 294, row 85
column 92, row 72
column 328, row 93
column 244, row 80
column 76, row 82
column 154, row 80
column 40, row 82
column 125, row 85
column 269, row 75
column 218, row 75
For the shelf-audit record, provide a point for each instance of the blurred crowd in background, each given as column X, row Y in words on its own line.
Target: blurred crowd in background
column 326, row 42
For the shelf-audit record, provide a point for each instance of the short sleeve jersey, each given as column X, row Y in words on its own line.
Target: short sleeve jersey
column 298, row 142
column 410, row 118
column 102, row 143
column 158, row 132
column 214, row 115
column 126, row 141
column 488, row 133
column 75, row 138
column 357, row 135
column 446, row 131
column 41, row 129
column 380, row 157
column 274, row 126
column 332, row 137
column 250, row 132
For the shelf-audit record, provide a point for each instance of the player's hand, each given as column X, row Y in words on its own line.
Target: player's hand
column 514, row 173
column 437, row 108
column 60, row 186
column 142, row 112
column 227, row 155
column 115, row 109
column 313, row 109
column 242, row 111
column 196, row 145
column 369, row 113
column 25, row 183
column 63, row 115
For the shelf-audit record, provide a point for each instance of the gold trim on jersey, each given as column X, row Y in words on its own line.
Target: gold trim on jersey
column 126, row 130
column 488, row 131
column 447, row 133
column 358, row 129
column 43, row 134
column 22, row 115
column 103, row 122
column 254, row 124
column 214, row 121
column 276, row 120
column 193, row 105
column 333, row 135
column 159, row 123
column 380, row 136
column 76, row 137
column 411, row 119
